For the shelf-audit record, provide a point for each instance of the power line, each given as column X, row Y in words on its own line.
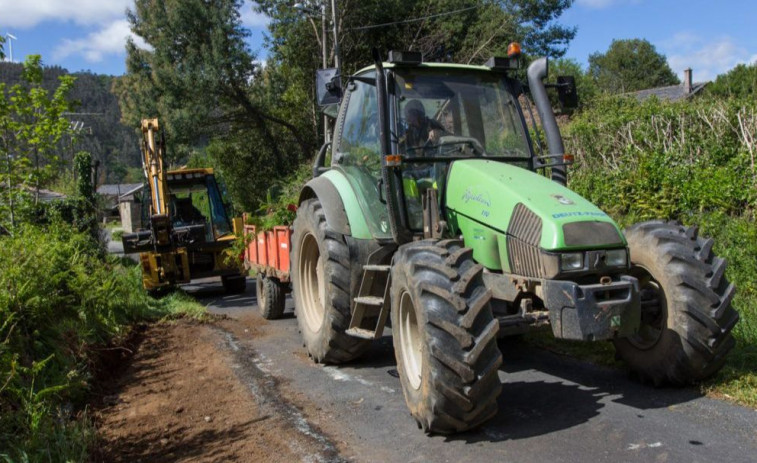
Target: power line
column 374, row 26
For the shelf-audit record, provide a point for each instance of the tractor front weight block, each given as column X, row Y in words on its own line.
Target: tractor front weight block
column 593, row 312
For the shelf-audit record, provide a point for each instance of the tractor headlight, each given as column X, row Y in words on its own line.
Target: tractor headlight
column 571, row 261
column 616, row 258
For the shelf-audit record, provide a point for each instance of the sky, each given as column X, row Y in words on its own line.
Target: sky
column 709, row 37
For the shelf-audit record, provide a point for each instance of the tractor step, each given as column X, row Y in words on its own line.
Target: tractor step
column 377, row 268
column 370, row 300
column 371, row 304
column 361, row 333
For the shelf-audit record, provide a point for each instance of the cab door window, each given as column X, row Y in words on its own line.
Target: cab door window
column 358, row 152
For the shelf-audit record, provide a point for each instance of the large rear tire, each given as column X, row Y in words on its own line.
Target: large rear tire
column 445, row 336
column 271, row 297
column 321, row 287
column 687, row 317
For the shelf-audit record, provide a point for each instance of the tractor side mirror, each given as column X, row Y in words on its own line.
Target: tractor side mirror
column 328, row 87
column 566, row 92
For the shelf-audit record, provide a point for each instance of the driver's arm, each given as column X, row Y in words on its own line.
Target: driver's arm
column 435, row 131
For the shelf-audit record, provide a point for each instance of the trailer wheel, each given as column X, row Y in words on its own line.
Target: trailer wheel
column 445, row 336
column 687, row 317
column 234, row 284
column 321, row 287
column 271, row 297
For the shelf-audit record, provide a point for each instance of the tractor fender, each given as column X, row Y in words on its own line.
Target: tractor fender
column 340, row 204
column 331, row 202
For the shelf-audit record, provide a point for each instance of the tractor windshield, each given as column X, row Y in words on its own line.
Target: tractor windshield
column 443, row 114
column 447, row 112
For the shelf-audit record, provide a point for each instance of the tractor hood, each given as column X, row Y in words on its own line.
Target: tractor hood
column 527, row 206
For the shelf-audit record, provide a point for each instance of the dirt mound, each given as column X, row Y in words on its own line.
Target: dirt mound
column 179, row 400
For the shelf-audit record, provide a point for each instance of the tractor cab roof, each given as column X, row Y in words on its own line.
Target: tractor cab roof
column 387, row 65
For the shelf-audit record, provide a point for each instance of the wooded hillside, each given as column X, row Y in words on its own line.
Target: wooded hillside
column 98, row 115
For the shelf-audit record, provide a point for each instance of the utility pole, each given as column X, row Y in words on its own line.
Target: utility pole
column 325, row 57
column 308, row 7
column 336, row 38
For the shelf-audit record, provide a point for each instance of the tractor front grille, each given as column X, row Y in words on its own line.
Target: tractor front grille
column 523, row 239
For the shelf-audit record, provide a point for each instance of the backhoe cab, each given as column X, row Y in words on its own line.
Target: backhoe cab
column 189, row 232
column 440, row 214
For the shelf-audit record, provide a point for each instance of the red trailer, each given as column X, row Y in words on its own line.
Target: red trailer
column 267, row 253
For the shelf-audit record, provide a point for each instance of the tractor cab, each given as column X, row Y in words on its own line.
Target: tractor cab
column 435, row 114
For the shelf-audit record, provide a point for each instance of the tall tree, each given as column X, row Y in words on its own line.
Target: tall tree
column 739, row 82
column 196, row 74
column 630, row 65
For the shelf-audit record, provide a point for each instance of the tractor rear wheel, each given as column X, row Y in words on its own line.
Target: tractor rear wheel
column 686, row 317
column 445, row 336
column 321, row 287
column 234, row 284
column 270, row 297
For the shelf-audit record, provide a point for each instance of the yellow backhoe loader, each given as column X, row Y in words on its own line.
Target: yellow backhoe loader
column 188, row 232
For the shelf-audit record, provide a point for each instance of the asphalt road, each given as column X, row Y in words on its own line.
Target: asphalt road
column 552, row 408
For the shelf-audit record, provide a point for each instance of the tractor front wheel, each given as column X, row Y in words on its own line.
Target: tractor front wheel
column 321, row 287
column 686, row 313
column 445, row 336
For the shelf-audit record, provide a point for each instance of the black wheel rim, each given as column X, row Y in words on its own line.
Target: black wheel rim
column 654, row 309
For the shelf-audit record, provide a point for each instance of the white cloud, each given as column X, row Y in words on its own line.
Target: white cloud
column 251, row 18
column 28, row 13
column 109, row 40
column 707, row 57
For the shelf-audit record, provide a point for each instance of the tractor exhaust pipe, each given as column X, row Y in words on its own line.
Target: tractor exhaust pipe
column 537, row 71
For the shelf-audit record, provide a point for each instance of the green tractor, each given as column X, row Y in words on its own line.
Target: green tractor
column 434, row 217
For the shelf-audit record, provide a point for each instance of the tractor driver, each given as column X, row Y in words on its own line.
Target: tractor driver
column 421, row 131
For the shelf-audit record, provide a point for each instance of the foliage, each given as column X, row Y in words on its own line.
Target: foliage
column 692, row 161
column 669, row 160
column 83, row 169
column 32, row 122
column 207, row 91
column 277, row 209
column 61, row 306
column 740, row 82
column 630, row 65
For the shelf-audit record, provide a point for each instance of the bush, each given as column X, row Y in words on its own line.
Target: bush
column 656, row 159
column 60, row 301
